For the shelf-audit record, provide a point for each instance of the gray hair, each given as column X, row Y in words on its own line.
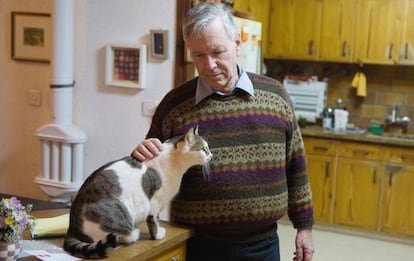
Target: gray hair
column 200, row 16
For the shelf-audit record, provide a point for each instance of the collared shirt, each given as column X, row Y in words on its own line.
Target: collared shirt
column 244, row 83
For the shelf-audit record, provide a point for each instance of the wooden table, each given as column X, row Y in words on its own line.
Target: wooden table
column 172, row 247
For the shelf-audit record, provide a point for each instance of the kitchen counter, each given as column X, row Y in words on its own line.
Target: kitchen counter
column 402, row 140
column 144, row 249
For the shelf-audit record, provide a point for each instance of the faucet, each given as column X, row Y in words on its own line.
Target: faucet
column 395, row 113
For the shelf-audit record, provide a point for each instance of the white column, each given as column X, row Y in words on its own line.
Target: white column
column 55, row 160
column 66, row 160
column 77, row 163
column 62, row 82
column 46, row 159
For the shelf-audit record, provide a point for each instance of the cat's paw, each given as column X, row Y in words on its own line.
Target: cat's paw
column 160, row 233
column 131, row 238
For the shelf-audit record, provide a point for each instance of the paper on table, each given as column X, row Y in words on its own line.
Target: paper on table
column 51, row 227
column 51, row 255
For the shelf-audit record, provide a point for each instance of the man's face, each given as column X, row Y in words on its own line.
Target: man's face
column 215, row 56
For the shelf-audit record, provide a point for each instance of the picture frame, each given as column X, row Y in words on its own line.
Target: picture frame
column 126, row 65
column 31, row 38
column 159, row 44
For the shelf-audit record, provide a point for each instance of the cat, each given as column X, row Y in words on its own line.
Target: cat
column 123, row 193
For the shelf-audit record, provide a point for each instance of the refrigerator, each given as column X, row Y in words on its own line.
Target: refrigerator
column 251, row 47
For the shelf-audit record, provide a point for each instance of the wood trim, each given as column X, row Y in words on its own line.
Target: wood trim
column 180, row 64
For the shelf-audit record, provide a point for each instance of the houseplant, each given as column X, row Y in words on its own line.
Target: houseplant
column 14, row 220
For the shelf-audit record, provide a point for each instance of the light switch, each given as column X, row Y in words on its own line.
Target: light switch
column 148, row 108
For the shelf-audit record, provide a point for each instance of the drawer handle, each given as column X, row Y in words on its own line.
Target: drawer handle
column 361, row 152
column 174, row 258
column 407, row 158
column 320, row 149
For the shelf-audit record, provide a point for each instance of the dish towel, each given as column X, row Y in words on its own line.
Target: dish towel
column 360, row 83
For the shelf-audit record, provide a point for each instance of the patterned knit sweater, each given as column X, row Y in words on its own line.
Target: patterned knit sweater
column 258, row 170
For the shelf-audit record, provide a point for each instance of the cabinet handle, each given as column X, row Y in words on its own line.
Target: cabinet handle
column 320, row 149
column 361, row 152
column 327, row 167
column 406, row 51
column 374, row 177
column 390, row 178
column 344, row 49
column 407, row 158
column 174, row 258
column 390, row 50
column 310, row 47
column 393, row 170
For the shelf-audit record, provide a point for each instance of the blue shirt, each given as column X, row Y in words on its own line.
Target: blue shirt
column 244, row 83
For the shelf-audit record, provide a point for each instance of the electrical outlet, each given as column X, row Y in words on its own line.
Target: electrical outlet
column 34, row 97
column 148, row 108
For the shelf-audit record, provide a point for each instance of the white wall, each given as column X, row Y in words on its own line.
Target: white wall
column 110, row 116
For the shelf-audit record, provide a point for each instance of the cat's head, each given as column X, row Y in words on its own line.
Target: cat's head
column 194, row 145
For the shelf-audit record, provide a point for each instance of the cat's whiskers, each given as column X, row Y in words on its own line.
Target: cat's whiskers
column 206, row 171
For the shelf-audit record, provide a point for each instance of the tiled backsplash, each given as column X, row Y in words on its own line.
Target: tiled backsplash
column 386, row 85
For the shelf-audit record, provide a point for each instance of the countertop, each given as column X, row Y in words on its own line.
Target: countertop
column 401, row 140
column 143, row 249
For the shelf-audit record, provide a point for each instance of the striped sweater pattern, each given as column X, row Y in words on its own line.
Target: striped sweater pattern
column 258, row 170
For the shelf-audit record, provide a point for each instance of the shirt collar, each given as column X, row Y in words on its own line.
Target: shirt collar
column 244, row 83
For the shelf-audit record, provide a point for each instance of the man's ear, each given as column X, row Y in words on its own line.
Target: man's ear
column 237, row 41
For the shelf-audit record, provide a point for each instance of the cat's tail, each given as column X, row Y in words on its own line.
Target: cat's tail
column 87, row 250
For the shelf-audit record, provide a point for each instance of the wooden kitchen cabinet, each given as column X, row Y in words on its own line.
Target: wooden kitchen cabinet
column 176, row 254
column 294, row 31
column 337, row 34
column 357, row 193
column 362, row 185
column 406, row 47
column 398, row 195
column 358, row 185
column 320, row 155
column 379, row 31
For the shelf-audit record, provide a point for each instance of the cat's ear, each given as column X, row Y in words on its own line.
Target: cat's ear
column 191, row 133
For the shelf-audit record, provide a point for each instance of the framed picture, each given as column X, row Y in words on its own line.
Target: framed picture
column 31, row 37
column 126, row 65
column 159, row 44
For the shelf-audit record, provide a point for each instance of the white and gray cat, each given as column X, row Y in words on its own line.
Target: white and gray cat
column 118, row 196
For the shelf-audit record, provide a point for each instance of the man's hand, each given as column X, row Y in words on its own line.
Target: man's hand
column 147, row 149
column 304, row 245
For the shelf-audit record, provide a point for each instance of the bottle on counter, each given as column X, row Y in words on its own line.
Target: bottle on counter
column 327, row 115
column 340, row 118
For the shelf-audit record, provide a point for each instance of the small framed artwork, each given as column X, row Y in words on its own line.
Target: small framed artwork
column 126, row 65
column 31, row 37
column 159, row 44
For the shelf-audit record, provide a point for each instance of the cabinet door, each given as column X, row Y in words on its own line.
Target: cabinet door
column 358, row 184
column 378, row 31
column 320, row 157
column 406, row 48
column 321, row 176
column 398, row 195
column 295, row 29
column 337, row 34
column 398, row 200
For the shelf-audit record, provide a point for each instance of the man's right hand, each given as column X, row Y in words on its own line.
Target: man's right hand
column 147, row 149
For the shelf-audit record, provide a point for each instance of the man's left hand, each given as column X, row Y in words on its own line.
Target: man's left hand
column 304, row 245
